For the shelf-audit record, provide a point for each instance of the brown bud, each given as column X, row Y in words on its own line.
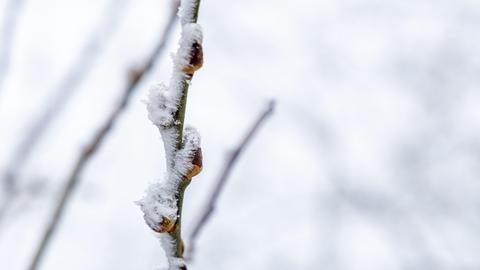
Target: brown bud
column 196, row 59
column 196, row 164
column 166, row 225
column 182, row 246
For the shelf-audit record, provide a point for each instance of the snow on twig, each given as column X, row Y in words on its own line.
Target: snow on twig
column 162, row 203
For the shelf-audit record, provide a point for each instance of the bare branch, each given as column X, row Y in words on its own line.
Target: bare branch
column 62, row 93
column 135, row 77
column 222, row 179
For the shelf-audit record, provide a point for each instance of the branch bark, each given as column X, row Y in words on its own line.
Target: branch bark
column 92, row 147
column 180, row 118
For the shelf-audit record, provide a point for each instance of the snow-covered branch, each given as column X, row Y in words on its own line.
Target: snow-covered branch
column 162, row 204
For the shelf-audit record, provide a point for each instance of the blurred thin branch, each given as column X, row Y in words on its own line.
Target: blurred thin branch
column 225, row 173
column 135, row 77
column 12, row 12
column 62, row 93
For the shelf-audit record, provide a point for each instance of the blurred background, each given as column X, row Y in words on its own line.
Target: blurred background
column 370, row 161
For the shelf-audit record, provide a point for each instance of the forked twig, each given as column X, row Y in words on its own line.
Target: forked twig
column 222, row 179
column 96, row 142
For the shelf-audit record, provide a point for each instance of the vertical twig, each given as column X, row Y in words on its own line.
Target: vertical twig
column 67, row 87
column 222, row 179
column 162, row 205
column 135, row 77
column 180, row 118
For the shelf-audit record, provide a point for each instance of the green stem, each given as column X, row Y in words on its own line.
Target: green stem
column 176, row 233
column 179, row 119
column 195, row 13
column 180, row 114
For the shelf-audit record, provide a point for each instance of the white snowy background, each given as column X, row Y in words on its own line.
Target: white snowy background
column 371, row 160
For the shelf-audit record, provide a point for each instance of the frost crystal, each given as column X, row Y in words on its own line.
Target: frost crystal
column 168, row 245
column 158, row 204
column 186, row 11
column 191, row 34
column 160, row 108
column 163, row 101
